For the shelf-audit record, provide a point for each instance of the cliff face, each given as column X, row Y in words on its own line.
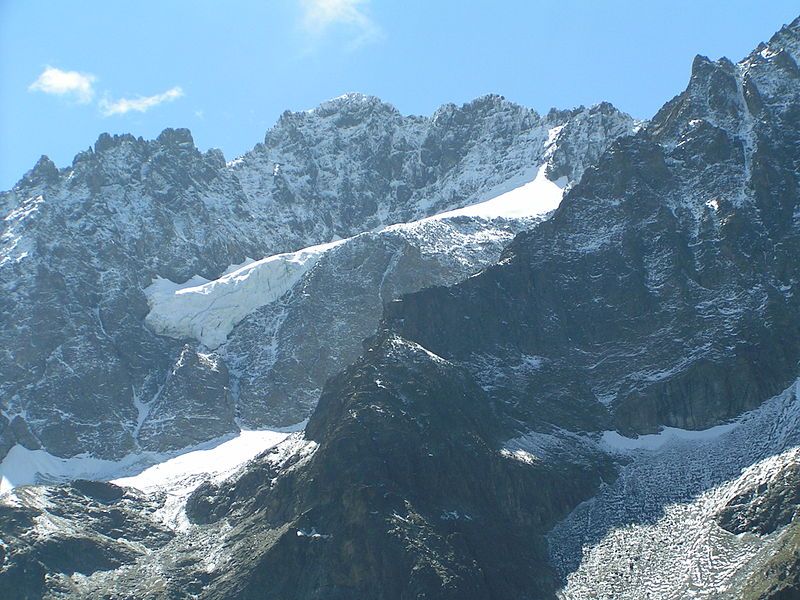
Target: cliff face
column 80, row 245
column 663, row 290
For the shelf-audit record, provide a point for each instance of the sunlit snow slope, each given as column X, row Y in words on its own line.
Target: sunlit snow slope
column 176, row 474
column 209, row 310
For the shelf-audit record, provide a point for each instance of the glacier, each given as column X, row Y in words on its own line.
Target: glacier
column 147, row 471
column 652, row 533
column 209, row 310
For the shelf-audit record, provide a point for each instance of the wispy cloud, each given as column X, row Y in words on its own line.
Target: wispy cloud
column 72, row 84
column 138, row 104
column 319, row 16
column 80, row 87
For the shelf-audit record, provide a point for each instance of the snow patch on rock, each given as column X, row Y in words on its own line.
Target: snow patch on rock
column 178, row 477
column 614, row 442
column 148, row 471
column 209, row 310
column 521, row 198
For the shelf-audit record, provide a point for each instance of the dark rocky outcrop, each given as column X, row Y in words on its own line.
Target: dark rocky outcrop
column 85, row 527
column 766, row 508
column 405, row 494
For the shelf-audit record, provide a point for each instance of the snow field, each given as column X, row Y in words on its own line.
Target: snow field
column 209, row 310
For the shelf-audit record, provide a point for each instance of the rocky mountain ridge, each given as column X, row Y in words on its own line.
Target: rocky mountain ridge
column 81, row 244
column 477, row 447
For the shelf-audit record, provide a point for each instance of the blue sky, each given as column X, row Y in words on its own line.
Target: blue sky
column 226, row 70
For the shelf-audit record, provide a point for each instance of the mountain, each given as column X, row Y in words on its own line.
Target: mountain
column 662, row 292
column 81, row 245
column 609, row 409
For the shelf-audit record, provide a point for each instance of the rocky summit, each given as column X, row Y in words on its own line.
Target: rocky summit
column 500, row 355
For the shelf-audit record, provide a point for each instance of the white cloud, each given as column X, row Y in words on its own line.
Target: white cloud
column 79, row 86
column 139, row 104
column 320, row 15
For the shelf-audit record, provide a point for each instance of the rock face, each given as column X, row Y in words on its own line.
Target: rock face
column 765, row 509
column 317, row 329
column 380, row 167
column 81, row 528
column 83, row 373
column 192, row 406
column 664, row 289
